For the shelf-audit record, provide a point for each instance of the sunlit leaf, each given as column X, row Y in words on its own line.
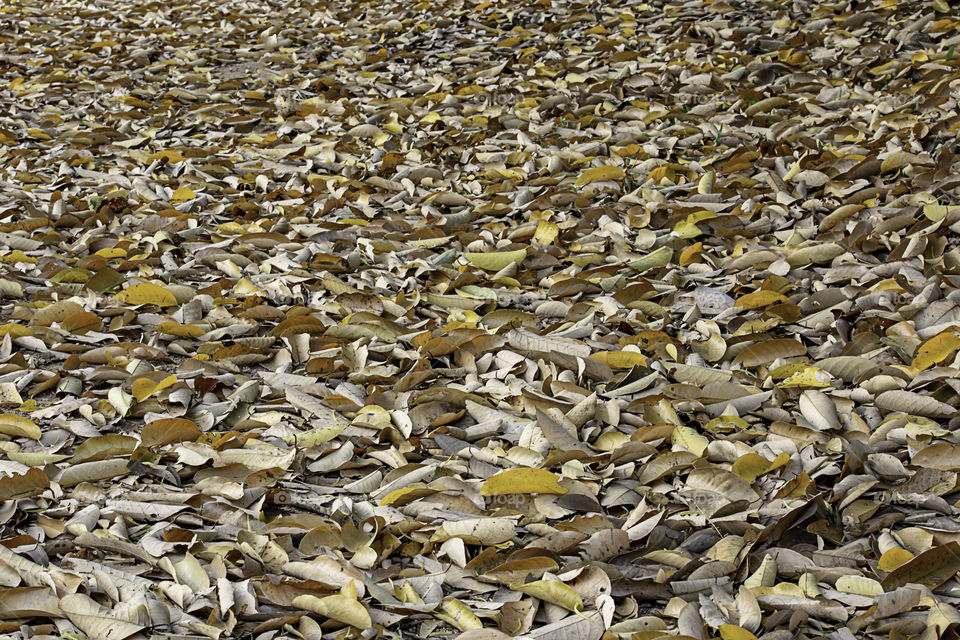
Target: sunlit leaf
column 553, row 592
column 597, row 174
column 935, row 350
column 147, row 293
column 143, row 388
column 18, row 426
column 522, row 481
column 495, row 261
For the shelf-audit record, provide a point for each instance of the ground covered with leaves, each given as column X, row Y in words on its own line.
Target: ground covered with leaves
column 555, row 320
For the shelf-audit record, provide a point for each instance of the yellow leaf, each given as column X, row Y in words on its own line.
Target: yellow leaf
column 231, row 227
column 879, row 69
column 450, row 326
column 147, row 293
column 598, row 174
column 809, row 377
column 706, row 183
column 784, row 371
column 691, row 254
column 372, row 416
column 620, row 359
column 349, row 590
column 766, row 576
column 16, row 256
column 143, row 388
column 71, row 274
column 859, row 585
column 17, row 426
column 522, row 481
column 759, row 299
column 779, row 589
column 112, row 252
column 735, row 632
column 888, row 285
column 610, row 440
column 661, row 174
column 553, row 592
column 406, row 593
column 406, row 495
column 171, row 156
column 15, row 330
column 180, row 330
column 245, row 287
column 687, row 438
column 546, row 232
column 686, row 229
column 338, row 607
column 497, row 260
column 894, row 558
column 936, row 349
column 313, row 437
column 700, row 216
column 653, row 260
column 459, row 615
column 750, row 466
column 393, row 125
column 183, row 194
column 668, row 557
column 937, row 212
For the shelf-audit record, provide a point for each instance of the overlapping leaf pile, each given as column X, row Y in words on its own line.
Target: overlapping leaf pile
column 559, row 320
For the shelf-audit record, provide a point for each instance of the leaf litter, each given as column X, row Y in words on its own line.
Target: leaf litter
column 546, row 320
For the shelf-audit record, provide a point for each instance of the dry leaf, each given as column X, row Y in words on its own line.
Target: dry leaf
column 657, row 308
column 522, row 481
